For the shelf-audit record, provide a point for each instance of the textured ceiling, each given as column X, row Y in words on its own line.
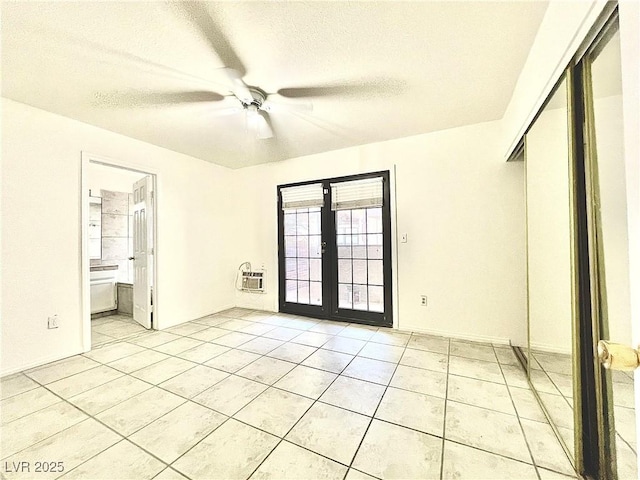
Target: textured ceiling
column 154, row 70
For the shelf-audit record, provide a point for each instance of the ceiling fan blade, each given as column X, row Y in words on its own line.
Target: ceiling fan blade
column 302, row 106
column 200, row 16
column 149, row 99
column 264, row 127
column 237, row 85
column 379, row 87
column 223, row 112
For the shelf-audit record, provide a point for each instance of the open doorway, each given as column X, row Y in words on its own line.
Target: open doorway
column 118, row 257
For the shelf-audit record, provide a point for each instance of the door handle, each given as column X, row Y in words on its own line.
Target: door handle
column 615, row 356
column 323, row 245
column 132, row 258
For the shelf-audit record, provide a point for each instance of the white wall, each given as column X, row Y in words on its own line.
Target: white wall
column 548, row 229
column 41, row 234
column 563, row 28
column 463, row 211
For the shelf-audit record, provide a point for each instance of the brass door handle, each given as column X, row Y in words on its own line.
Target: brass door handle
column 616, row 356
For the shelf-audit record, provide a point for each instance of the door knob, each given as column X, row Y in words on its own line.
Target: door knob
column 616, row 356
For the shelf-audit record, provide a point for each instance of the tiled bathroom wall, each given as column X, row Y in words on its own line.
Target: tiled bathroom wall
column 117, row 234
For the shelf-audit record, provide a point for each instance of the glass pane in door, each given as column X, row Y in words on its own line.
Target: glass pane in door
column 611, row 224
column 302, row 256
column 360, row 264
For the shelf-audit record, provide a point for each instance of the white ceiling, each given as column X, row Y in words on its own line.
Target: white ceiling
column 395, row 68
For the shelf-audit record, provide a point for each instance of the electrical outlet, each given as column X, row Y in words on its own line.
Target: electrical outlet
column 52, row 322
column 403, row 238
column 423, row 300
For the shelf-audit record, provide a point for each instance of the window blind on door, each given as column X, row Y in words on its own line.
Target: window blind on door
column 356, row 194
column 302, row 196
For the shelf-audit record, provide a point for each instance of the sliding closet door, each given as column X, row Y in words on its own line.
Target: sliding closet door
column 335, row 249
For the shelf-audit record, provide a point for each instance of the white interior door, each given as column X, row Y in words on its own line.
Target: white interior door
column 143, row 251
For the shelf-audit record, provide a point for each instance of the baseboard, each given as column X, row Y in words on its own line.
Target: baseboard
column 459, row 336
column 550, row 348
column 37, row 363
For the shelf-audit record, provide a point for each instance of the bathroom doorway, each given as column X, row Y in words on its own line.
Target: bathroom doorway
column 118, row 257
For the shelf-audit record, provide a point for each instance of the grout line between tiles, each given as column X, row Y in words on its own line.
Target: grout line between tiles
column 444, row 415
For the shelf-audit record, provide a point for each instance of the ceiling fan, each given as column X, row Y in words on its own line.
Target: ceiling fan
column 256, row 104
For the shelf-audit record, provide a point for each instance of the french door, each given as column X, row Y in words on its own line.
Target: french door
column 334, row 248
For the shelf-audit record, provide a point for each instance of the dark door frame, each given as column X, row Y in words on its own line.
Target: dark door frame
column 329, row 309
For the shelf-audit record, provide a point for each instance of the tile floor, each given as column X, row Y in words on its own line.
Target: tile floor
column 113, row 327
column 248, row 394
column 555, row 386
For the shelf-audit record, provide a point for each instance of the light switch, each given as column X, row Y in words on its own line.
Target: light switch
column 403, row 238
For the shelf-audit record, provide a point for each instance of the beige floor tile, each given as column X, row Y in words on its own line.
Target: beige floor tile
column 266, row 370
column 358, row 332
column 110, row 353
column 283, row 333
column 370, row 370
column 306, row 381
column 328, row 360
column 258, row 328
column 479, row 427
column 173, row 434
column 208, row 334
column 354, row 474
column 545, row 447
column 391, row 338
column 479, row 369
column 23, row 404
column 110, row 394
column 194, row 381
column 169, row 474
column 506, row 356
column 424, row 359
column 328, row 327
column 274, row 411
column 551, row 475
column 178, row 346
column 413, row 410
column 233, row 339
column 429, row 343
column 312, row 339
column 136, row 412
column 15, row 385
column 261, row 345
column 163, row 370
column 627, row 461
column 186, row 328
column 235, row 324
column 26, row 431
column 493, row 396
column 379, row 351
column 71, row 447
column 292, row 352
column 301, row 323
column 472, row 350
column 353, row 394
column 212, row 320
column 420, row 381
column 232, row 451
column 290, row 462
column 625, row 423
column 61, row 369
column 203, row 353
column 230, row 395
column 344, row 345
column 393, row 452
column 462, row 463
column 123, row 461
column 515, row 376
column 138, row 361
column 526, row 404
column 153, row 339
column 232, row 361
column 330, row 431
column 81, row 382
column 558, row 408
